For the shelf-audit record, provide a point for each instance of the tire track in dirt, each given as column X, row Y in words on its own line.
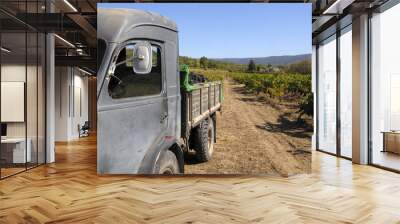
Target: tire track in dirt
column 244, row 146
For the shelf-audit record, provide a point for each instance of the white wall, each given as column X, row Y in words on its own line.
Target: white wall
column 62, row 82
column 80, row 94
column 13, row 100
column 16, row 72
column 70, row 83
column 33, row 126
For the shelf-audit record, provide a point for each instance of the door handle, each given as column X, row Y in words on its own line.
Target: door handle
column 163, row 117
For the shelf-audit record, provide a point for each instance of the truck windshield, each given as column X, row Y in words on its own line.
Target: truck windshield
column 126, row 83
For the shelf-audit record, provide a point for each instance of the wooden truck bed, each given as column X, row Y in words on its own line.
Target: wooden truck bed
column 198, row 104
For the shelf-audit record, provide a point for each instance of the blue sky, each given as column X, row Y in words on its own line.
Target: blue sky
column 235, row 30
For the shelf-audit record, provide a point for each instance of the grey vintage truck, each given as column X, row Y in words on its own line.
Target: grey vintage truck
column 150, row 117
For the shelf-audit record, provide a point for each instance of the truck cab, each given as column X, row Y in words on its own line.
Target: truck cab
column 138, row 93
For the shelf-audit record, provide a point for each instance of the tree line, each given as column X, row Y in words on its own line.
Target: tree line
column 301, row 67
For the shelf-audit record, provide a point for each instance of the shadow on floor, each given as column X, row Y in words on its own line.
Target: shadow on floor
column 293, row 128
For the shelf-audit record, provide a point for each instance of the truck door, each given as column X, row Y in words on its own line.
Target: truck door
column 132, row 110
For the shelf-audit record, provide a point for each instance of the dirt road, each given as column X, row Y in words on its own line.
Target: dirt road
column 256, row 137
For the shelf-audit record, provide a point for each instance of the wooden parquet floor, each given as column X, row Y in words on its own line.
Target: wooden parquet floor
column 70, row 191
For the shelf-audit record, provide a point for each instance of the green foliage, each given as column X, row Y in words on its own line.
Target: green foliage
column 212, row 75
column 302, row 67
column 203, row 62
column 306, row 105
column 252, row 66
column 283, row 82
column 191, row 62
column 282, row 86
column 206, row 63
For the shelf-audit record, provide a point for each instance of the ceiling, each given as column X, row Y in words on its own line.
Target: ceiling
column 74, row 22
column 329, row 14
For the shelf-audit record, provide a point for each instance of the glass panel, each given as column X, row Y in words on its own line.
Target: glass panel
column 23, row 89
column 346, row 93
column 13, row 89
column 32, row 88
column 385, row 92
column 31, row 98
column 327, row 96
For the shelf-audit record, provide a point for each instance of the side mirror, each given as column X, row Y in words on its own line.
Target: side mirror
column 142, row 58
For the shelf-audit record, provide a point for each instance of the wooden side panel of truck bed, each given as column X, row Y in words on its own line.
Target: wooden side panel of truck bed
column 197, row 105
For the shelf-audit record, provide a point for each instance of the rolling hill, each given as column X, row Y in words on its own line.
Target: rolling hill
column 273, row 60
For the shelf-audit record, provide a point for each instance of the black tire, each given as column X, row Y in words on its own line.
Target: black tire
column 168, row 164
column 203, row 140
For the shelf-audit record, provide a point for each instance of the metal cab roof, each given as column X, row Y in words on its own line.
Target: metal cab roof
column 113, row 23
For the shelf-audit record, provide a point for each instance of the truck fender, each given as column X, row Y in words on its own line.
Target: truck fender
column 156, row 151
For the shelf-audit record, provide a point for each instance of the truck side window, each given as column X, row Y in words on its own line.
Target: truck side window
column 125, row 83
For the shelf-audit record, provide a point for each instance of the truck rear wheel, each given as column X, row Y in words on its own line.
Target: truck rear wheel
column 168, row 164
column 203, row 140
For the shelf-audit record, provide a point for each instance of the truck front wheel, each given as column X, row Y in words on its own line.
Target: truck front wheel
column 168, row 164
column 203, row 140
